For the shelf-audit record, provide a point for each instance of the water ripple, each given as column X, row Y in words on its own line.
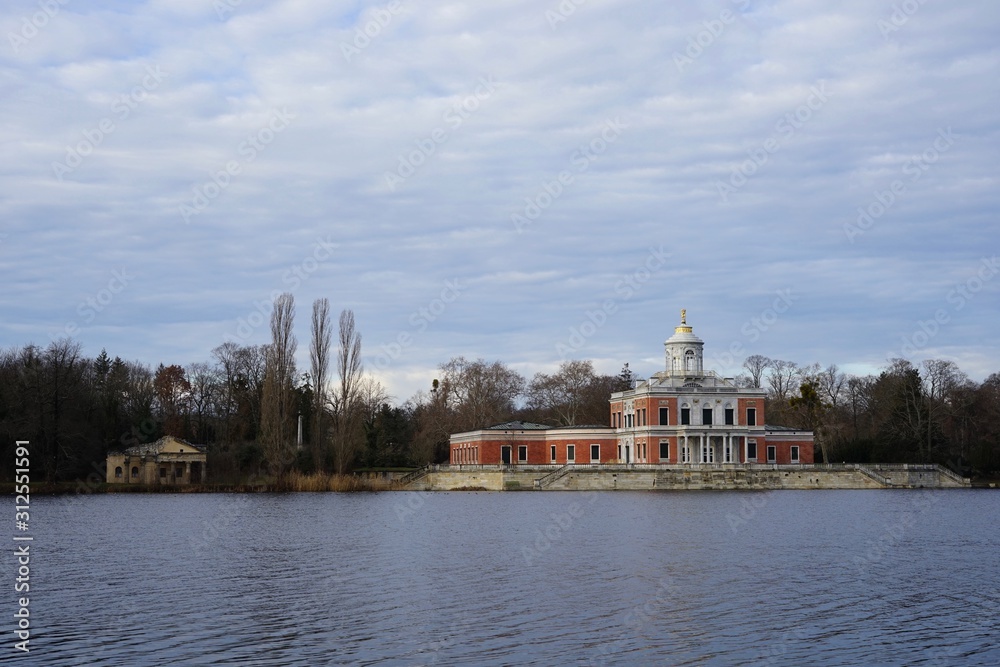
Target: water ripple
column 517, row 579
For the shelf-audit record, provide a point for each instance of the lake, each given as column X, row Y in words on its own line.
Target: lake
column 533, row 578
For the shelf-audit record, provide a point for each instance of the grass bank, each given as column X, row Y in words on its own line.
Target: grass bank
column 290, row 483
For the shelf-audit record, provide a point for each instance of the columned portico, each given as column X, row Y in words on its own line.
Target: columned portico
column 705, row 447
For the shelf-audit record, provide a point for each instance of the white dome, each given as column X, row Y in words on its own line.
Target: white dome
column 684, row 351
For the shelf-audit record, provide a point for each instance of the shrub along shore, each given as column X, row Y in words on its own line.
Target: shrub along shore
column 292, row 482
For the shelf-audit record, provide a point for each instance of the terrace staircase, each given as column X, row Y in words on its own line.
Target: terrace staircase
column 546, row 481
column 414, row 476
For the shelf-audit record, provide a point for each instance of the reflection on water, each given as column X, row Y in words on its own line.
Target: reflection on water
column 683, row 578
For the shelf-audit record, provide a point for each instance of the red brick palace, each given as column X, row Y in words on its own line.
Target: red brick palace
column 683, row 415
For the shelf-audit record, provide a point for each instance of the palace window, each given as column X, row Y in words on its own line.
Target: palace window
column 552, row 453
column 685, row 416
column 770, row 454
column 664, row 416
column 730, row 416
column 752, row 450
column 751, row 416
column 135, row 471
column 595, row 453
column 706, row 416
column 795, row 454
column 118, row 472
column 522, row 453
column 664, row 450
column 570, row 453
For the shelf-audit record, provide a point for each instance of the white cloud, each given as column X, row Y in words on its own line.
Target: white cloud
column 687, row 129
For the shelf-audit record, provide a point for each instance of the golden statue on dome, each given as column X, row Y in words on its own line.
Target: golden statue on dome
column 684, row 315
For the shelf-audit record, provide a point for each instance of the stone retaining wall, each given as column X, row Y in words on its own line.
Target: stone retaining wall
column 677, row 478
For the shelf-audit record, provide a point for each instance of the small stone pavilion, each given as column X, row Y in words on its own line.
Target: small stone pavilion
column 169, row 460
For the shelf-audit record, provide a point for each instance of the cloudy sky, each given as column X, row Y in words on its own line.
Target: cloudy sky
column 529, row 181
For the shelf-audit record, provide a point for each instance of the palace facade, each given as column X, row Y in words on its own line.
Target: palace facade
column 683, row 415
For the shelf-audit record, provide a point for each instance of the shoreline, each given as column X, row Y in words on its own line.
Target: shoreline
column 579, row 479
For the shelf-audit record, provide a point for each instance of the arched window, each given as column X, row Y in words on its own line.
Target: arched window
column 689, row 360
column 118, row 472
column 135, row 471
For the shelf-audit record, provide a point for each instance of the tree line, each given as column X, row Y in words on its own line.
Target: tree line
column 931, row 413
column 246, row 404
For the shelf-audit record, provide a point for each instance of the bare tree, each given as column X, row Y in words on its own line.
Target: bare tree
column 432, row 425
column 756, row 364
column 205, row 383
column 860, row 395
column 372, row 396
column 276, row 402
column 901, row 409
column 349, row 370
column 173, row 398
column 319, row 360
column 781, row 378
column 227, row 363
column 941, row 379
column 479, row 393
column 831, row 385
column 139, row 392
column 564, row 393
column 252, row 368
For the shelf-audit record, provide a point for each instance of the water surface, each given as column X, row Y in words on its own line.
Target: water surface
column 675, row 578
